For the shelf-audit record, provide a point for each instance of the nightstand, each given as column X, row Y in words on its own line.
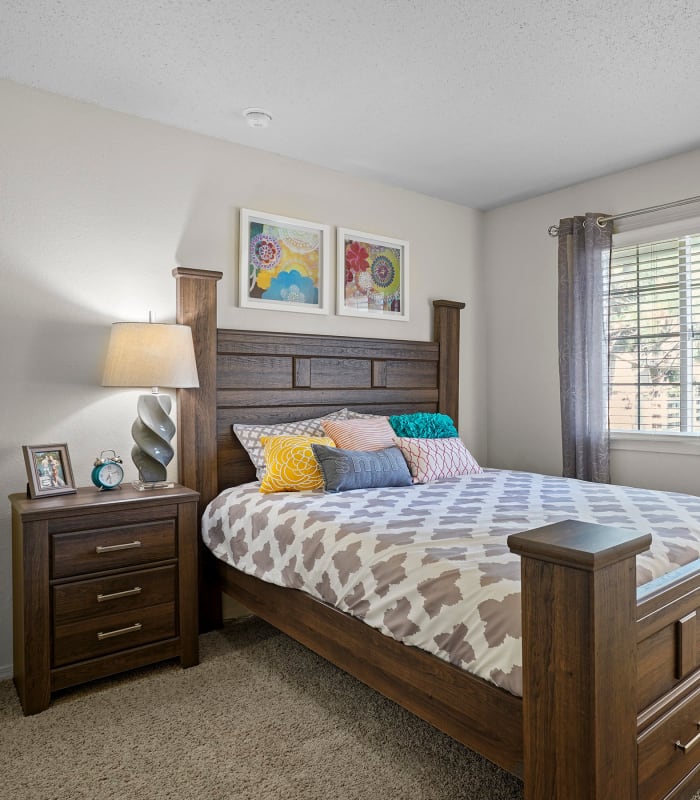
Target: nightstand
column 103, row 581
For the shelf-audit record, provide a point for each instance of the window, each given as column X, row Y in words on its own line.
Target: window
column 654, row 336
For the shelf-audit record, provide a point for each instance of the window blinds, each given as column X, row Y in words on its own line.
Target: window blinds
column 654, row 336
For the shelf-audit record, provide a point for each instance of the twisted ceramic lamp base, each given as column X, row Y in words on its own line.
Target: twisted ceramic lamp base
column 152, row 432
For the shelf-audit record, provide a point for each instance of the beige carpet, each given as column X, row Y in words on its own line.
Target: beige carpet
column 260, row 718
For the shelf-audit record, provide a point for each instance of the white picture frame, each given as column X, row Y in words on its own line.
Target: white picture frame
column 372, row 276
column 283, row 263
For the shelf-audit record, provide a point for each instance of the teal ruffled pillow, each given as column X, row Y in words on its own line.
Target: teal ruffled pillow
column 423, row 426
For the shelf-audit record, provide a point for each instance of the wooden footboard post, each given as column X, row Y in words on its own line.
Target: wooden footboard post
column 196, row 415
column 579, row 661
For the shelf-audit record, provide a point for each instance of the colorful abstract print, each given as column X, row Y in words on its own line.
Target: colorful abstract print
column 372, row 276
column 429, row 564
column 283, row 264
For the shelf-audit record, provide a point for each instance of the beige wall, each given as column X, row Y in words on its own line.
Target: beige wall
column 520, row 286
column 95, row 210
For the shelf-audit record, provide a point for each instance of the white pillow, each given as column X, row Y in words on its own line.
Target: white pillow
column 433, row 459
column 249, row 435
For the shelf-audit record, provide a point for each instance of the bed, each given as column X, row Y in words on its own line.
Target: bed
column 610, row 703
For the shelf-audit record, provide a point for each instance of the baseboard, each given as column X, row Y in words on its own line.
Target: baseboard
column 5, row 671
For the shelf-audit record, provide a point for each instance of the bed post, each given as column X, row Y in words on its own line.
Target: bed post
column 446, row 334
column 196, row 415
column 196, row 408
column 579, row 661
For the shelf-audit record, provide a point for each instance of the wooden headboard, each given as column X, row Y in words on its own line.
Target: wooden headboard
column 253, row 376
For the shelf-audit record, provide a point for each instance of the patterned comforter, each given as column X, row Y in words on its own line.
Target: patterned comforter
column 429, row 564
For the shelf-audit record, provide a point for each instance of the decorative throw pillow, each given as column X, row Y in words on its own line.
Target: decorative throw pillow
column 249, row 435
column 361, row 469
column 367, row 433
column 290, row 463
column 432, row 459
column 423, row 426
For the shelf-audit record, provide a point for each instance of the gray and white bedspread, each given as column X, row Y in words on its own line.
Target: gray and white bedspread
column 429, row 564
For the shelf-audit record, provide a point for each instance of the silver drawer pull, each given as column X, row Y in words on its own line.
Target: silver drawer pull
column 120, row 632
column 126, row 593
column 110, row 548
column 686, row 747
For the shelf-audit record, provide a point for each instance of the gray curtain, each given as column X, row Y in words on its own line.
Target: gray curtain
column 584, row 267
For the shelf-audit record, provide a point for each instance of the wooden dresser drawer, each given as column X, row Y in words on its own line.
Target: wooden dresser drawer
column 111, row 548
column 103, row 596
column 662, row 763
column 99, row 636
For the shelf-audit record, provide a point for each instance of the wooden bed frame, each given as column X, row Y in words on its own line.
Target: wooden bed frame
column 611, row 678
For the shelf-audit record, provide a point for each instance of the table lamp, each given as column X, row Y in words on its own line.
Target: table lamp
column 156, row 355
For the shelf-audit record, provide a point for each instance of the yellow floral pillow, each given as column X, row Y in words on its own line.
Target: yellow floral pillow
column 290, row 465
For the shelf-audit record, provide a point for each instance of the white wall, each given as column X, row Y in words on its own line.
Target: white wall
column 520, row 286
column 95, row 210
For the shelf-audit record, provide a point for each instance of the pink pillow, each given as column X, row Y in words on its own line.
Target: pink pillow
column 432, row 459
column 363, row 433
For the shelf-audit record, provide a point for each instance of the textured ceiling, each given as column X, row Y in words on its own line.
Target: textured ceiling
column 481, row 102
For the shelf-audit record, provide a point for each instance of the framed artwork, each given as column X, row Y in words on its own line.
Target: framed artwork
column 372, row 275
column 283, row 263
column 48, row 469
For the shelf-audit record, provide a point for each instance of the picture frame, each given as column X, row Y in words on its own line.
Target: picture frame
column 49, row 470
column 372, row 276
column 284, row 263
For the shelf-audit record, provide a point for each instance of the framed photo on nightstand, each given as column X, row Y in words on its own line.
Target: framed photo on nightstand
column 48, row 469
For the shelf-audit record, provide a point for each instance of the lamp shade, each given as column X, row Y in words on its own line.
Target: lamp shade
column 150, row 354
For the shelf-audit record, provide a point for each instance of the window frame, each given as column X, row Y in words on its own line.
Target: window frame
column 685, row 442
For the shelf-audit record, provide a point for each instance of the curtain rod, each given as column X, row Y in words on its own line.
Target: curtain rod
column 553, row 230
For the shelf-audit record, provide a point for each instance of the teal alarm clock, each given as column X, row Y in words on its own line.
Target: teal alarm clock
column 107, row 472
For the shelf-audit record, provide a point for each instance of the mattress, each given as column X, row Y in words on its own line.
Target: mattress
column 429, row 564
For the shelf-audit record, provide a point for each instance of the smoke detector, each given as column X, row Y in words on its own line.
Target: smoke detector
column 257, row 117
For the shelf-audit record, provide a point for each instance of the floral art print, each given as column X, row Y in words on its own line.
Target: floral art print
column 283, row 263
column 372, row 275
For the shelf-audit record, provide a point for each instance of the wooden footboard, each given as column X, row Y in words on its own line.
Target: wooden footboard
column 611, row 706
column 579, row 660
column 611, row 694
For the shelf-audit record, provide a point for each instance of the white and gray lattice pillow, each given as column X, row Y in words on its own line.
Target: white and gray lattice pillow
column 433, row 459
column 249, row 435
